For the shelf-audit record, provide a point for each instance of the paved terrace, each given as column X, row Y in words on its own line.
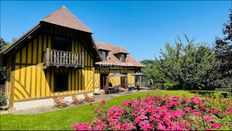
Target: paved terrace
column 98, row 97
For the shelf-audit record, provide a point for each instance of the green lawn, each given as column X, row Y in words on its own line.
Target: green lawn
column 63, row 119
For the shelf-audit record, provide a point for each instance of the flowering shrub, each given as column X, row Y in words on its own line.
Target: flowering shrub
column 162, row 113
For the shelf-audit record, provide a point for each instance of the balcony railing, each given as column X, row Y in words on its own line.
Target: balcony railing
column 63, row 58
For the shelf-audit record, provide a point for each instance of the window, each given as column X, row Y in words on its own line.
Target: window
column 60, row 43
column 122, row 57
column 103, row 54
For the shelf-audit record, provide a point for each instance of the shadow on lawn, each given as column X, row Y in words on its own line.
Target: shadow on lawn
column 202, row 93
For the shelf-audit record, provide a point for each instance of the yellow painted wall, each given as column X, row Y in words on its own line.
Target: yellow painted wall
column 97, row 80
column 115, row 80
column 31, row 80
column 130, row 77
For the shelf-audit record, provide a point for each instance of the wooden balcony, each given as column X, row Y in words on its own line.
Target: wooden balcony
column 63, row 58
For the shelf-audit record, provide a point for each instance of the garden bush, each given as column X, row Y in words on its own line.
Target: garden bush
column 3, row 98
column 162, row 113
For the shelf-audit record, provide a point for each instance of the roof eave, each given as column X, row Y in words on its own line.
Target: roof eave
column 90, row 32
column 120, row 52
column 98, row 54
column 23, row 37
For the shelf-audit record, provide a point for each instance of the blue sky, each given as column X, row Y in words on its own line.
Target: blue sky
column 141, row 27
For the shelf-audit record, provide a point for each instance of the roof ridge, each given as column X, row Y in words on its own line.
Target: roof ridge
column 112, row 45
column 64, row 17
column 52, row 13
column 75, row 16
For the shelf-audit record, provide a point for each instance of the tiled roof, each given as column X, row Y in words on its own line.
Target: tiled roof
column 102, row 46
column 120, row 50
column 63, row 17
column 113, row 60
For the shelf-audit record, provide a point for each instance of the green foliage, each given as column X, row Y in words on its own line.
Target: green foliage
column 187, row 65
column 217, row 95
column 3, row 44
column 152, row 70
column 223, row 50
column 3, row 99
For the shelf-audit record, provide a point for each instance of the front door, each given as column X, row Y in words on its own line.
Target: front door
column 61, row 80
column 124, row 81
column 103, row 80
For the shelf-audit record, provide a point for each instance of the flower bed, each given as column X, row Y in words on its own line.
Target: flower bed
column 162, row 113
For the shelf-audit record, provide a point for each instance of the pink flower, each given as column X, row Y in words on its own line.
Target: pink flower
column 167, row 113
column 197, row 101
column 188, row 109
column 196, row 113
column 179, row 127
column 184, row 100
column 127, row 103
column 229, row 110
column 161, row 127
column 178, row 113
column 102, row 103
column 167, row 121
column 145, row 125
column 150, row 109
column 215, row 125
column 207, row 118
column 138, row 119
column 175, row 98
column 99, row 125
column 114, row 114
column 213, row 111
column 81, row 127
column 127, row 126
column 116, row 127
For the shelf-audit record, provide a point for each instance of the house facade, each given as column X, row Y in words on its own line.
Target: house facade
column 58, row 57
column 55, row 58
column 115, row 60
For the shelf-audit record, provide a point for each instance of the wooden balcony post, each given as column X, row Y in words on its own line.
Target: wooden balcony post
column 70, row 57
column 51, row 59
column 78, row 59
column 58, row 57
column 54, row 56
column 47, row 57
column 82, row 59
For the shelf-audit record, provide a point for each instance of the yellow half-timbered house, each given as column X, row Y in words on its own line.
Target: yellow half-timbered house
column 54, row 58
column 58, row 57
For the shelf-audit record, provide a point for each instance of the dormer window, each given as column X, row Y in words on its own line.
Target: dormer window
column 122, row 57
column 103, row 54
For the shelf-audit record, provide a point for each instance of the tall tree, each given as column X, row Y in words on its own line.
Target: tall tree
column 223, row 50
column 151, row 68
column 3, row 44
column 187, row 65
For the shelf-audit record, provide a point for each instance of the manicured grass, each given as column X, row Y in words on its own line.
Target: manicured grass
column 63, row 119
